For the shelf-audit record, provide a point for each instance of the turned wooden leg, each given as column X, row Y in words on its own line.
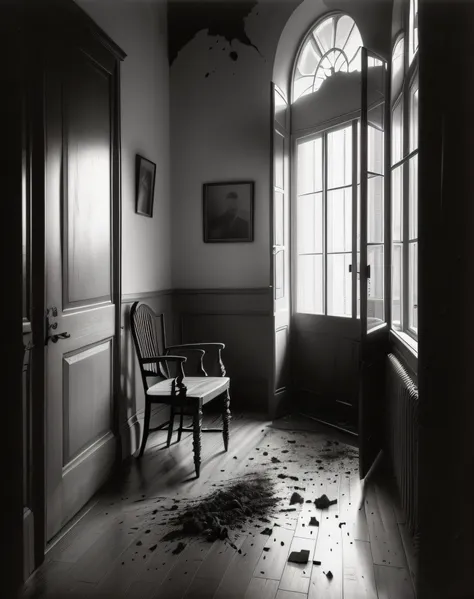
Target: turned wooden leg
column 197, row 425
column 146, row 426
column 180, row 432
column 170, row 428
column 226, row 418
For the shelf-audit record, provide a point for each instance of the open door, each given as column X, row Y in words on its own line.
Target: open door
column 374, row 268
column 280, row 230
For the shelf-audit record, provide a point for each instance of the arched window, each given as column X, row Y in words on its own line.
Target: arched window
column 332, row 46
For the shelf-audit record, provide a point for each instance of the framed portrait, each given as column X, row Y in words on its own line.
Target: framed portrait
column 146, row 171
column 228, row 210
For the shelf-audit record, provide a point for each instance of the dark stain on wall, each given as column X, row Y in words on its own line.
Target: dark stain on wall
column 224, row 19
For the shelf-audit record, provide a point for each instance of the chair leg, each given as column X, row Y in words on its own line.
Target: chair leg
column 170, row 427
column 180, row 432
column 146, row 426
column 226, row 416
column 197, row 426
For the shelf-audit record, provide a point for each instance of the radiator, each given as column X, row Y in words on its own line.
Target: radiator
column 402, row 405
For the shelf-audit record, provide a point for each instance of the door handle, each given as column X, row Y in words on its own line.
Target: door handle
column 56, row 338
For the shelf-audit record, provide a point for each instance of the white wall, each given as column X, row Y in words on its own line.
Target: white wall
column 221, row 129
column 139, row 28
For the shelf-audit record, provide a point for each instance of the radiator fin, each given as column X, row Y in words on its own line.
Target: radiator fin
column 402, row 400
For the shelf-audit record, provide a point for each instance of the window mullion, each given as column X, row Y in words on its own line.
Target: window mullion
column 405, row 208
column 325, row 221
column 354, row 217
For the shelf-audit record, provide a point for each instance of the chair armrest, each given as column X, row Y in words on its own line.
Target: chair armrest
column 159, row 360
column 198, row 345
column 186, row 349
column 218, row 365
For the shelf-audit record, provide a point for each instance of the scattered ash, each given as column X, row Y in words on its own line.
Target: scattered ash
column 338, row 452
column 228, row 508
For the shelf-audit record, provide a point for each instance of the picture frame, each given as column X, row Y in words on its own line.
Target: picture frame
column 145, row 186
column 228, row 212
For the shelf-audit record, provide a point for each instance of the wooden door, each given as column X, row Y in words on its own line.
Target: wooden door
column 82, row 280
column 280, row 174
column 374, row 257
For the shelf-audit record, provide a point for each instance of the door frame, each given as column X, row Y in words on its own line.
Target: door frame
column 49, row 24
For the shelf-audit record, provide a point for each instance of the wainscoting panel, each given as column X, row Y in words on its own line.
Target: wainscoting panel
column 242, row 319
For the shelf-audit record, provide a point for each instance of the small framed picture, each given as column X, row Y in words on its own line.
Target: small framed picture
column 228, row 210
column 146, row 171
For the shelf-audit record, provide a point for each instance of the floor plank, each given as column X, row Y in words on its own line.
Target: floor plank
column 272, row 562
column 393, row 583
column 262, row 588
column 296, row 577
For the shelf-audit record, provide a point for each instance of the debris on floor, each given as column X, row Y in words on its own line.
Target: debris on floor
column 316, row 562
column 329, row 575
column 179, row 547
column 313, row 521
column 299, row 557
column 296, row 498
column 267, row 531
column 323, row 502
column 212, row 516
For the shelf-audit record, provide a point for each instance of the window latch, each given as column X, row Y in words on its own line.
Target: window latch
column 368, row 270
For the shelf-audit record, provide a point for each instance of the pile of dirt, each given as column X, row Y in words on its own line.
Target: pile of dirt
column 228, row 508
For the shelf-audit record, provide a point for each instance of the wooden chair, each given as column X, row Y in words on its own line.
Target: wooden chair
column 185, row 395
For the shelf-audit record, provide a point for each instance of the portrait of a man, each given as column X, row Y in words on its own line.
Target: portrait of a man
column 228, row 212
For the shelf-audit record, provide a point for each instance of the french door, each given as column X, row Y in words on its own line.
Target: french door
column 374, row 256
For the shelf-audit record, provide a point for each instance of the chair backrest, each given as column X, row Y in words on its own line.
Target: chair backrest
column 149, row 337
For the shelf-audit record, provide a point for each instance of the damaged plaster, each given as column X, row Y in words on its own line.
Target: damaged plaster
column 225, row 20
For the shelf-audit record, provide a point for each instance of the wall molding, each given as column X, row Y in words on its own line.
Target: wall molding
column 129, row 298
column 225, row 291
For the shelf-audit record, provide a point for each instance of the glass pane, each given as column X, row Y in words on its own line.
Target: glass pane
column 343, row 29
column 309, row 226
column 397, row 285
column 352, row 47
column 339, row 220
column 324, row 34
column 339, row 283
column 414, row 120
column 375, row 210
column 397, row 204
column 279, row 274
column 309, row 299
column 398, row 58
column 397, row 133
column 358, row 284
column 413, row 199
column 279, row 218
column 339, row 152
column 309, row 58
column 310, row 166
column 356, row 62
column 278, row 160
column 302, row 86
column 375, row 285
column 375, row 150
column 413, row 287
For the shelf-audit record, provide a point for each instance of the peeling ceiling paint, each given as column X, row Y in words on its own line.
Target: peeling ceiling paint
column 224, row 19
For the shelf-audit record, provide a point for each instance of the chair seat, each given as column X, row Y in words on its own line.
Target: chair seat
column 203, row 388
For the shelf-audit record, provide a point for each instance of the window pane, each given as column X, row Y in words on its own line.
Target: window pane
column 375, row 285
column 310, row 166
column 302, row 86
column 278, row 161
column 279, row 218
column 343, row 28
column 397, row 133
column 413, row 287
column 309, row 298
column 414, row 119
column 339, row 154
column 397, row 285
column 398, row 57
column 309, row 58
column 309, row 231
column 397, row 204
column 324, row 34
column 375, row 150
column 413, row 199
column 339, row 220
column 375, row 210
column 339, row 283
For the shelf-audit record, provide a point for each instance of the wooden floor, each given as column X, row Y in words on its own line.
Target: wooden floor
column 115, row 550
